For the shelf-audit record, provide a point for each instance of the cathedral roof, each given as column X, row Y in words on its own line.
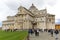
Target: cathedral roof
column 21, row 8
column 50, row 14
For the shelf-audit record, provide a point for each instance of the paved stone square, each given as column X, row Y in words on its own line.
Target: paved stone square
column 43, row 36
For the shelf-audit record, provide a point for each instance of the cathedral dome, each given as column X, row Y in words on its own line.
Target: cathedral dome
column 32, row 7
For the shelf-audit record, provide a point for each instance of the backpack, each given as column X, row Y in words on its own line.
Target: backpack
column 56, row 32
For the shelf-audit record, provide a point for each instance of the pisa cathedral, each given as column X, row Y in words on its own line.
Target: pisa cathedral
column 30, row 18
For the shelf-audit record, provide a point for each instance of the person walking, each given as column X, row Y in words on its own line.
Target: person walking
column 37, row 32
column 30, row 31
column 51, row 32
column 56, row 34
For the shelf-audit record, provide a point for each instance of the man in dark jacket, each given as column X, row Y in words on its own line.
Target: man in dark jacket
column 56, row 34
column 30, row 31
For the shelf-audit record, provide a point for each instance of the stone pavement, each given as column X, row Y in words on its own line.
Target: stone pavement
column 43, row 36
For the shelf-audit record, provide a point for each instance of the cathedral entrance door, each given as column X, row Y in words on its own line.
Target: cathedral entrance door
column 34, row 26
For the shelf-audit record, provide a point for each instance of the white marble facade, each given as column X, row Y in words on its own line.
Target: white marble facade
column 30, row 18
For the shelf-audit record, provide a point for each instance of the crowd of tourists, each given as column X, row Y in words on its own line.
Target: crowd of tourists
column 51, row 31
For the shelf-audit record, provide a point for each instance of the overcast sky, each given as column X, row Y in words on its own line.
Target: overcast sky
column 9, row 7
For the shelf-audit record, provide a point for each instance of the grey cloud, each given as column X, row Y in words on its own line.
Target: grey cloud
column 57, row 21
column 52, row 3
column 40, row 2
column 12, row 5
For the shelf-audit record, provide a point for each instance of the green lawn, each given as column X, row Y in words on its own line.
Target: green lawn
column 18, row 35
